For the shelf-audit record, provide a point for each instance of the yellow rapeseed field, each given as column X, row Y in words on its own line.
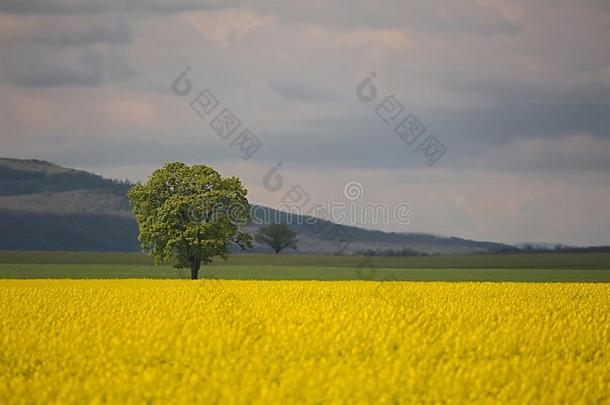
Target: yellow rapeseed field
column 136, row 341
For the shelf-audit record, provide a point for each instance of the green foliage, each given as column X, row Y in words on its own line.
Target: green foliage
column 278, row 236
column 188, row 215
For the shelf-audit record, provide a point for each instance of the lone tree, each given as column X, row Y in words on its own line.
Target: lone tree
column 188, row 215
column 278, row 236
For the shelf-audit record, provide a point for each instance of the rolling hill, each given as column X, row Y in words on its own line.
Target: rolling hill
column 44, row 206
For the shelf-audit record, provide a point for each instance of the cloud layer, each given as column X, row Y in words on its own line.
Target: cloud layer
column 514, row 90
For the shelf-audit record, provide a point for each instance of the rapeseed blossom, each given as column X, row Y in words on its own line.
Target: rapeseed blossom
column 210, row 341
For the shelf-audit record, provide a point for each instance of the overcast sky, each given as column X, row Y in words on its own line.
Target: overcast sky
column 518, row 92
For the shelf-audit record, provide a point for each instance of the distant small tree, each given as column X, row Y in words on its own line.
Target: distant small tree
column 278, row 236
column 188, row 215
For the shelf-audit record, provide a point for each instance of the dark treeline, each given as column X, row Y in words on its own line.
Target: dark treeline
column 391, row 253
column 15, row 182
column 527, row 248
column 530, row 248
column 565, row 249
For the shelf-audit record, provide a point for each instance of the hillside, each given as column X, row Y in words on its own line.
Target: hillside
column 44, row 206
column 18, row 177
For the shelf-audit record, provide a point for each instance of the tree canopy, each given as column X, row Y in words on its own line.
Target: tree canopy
column 189, row 214
column 278, row 236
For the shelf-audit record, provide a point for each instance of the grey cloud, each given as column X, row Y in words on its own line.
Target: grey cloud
column 360, row 142
column 103, row 6
column 64, row 30
column 366, row 142
column 133, row 153
column 517, row 87
column 297, row 90
column 39, row 66
column 51, row 51
column 115, row 31
column 581, row 109
column 572, row 152
column 456, row 16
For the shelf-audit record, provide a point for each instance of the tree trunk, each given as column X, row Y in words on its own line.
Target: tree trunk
column 195, row 265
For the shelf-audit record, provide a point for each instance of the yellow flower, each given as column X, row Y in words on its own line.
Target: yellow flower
column 134, row 341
